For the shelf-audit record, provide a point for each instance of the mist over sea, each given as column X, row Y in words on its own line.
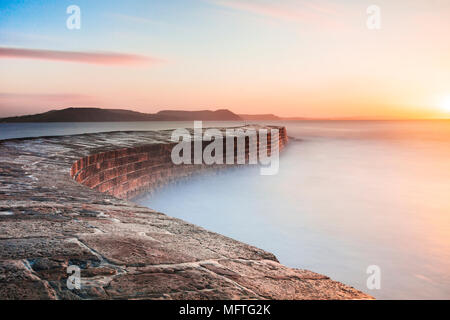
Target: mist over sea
column 350, row 194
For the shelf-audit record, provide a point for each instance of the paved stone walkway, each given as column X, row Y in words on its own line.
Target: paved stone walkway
column 49, row 221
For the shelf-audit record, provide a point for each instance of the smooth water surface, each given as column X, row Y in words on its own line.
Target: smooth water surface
column 350, row 195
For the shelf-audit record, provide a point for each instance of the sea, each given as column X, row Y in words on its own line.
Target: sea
column 350, row 197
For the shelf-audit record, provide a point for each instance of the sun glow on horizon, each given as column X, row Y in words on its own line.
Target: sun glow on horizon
column 444, row 105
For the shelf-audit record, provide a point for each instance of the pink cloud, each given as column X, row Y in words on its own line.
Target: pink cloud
column 102, row 58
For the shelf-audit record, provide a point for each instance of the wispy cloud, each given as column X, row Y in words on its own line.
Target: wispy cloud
column 101, row 58
column 305, row 12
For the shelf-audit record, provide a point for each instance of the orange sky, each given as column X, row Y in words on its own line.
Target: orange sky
column 290, row 58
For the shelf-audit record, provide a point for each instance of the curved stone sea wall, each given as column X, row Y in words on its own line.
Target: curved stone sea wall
column 129, row 172
column 63, row 202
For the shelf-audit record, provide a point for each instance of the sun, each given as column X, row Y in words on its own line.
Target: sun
column 444, row 105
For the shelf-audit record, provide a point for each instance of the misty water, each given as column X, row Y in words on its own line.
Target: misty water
column 348, row 195
column 45, row 129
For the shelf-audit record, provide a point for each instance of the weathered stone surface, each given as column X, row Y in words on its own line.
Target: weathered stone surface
column 26, row 290
column 43, row 227
column 63, row 202
column 274, row 281
column 188, row 283
column 18, row 282
column 134, row 251
column 32, row 248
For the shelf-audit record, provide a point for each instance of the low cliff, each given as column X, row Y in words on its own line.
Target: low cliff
column 63, row 202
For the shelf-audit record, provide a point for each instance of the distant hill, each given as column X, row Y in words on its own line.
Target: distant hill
column 113, row 115
column 207, row 115
column 82, row 115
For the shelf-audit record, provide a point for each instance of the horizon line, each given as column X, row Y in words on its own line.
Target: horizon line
column 281, row 118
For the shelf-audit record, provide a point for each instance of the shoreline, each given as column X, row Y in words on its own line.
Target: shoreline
column 125, row 251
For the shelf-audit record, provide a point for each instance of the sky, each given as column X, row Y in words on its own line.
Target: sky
column 291, row 58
